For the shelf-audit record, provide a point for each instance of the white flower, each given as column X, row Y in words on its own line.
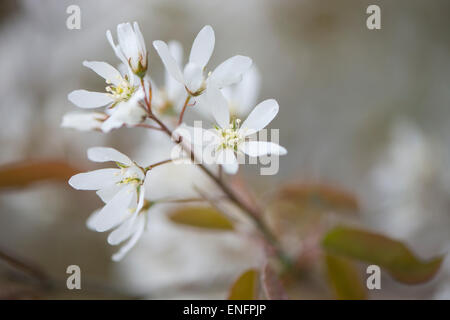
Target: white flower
column 84, row 121
column 230, row 136
column 168, row 99
column 121, row 96
column 243, row 95
column 122, row 189
column 126, row 113
column 193, row 77
column 131, row 48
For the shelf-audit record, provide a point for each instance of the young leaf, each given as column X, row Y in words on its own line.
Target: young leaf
column 201, row 217
column 374, row 248
column 21, row 174
column 273, row 288
column 319, row 196
column 344, row 278
column 245, row 287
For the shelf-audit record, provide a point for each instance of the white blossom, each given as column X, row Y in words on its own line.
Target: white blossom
column 243, row 95
column 121, row 96
column 83, row 121
column 194, row 77
column 122, row 190
column 169, row 98
column 230, row 136
column 131, row 49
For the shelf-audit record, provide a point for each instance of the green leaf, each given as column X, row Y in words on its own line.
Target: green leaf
column 377, row 249
column 21, row 174
column 344, row 278
column 201, row 217
column 245, row 287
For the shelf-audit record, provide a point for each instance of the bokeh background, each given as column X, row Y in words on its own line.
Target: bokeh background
column 365, row 110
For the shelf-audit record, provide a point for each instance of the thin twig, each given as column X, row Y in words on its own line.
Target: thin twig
column 159, row 164
column 26, row 267
column 188, row 98
column 148, row 126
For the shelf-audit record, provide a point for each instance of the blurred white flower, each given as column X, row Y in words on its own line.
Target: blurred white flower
column 230, row 136
column 168, row 99
column 83, row 121
column 243, row 95
column 122, row 189
column 193, row 77
column 131, row 49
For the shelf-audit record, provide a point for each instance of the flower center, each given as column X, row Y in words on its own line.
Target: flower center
column 231, row 137
column 122, row 91
column 130, row 175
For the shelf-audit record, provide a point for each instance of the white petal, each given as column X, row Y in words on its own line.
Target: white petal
column 108, row 192
column 261, row 148
column 227, row 159
column 193, row 75
column 117, row 50
column 219, row 106
column 116, row 210
column 197, row 135
column 260, row 117
column 245, row 93
column 126, row 112
column 124, row 231
column 94, row 180
column 83, row 121
column 230, row 71
column 89, row 99
column 202, row 47
column 168, row 61
column 104, row 70
column 128, row 42
column 140, row 38
column 172, row 86
column 176, row 50
column 103, row 154
column 91, row 221
column 134, row 239
column 110, row 124
column 141, row 199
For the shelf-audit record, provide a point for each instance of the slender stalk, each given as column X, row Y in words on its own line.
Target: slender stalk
column 147, row 99
column 148, row 126
column 25, row 267
column 158, row 164
column 186, row 102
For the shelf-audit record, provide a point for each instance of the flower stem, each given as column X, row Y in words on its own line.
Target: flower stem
column 186, row 102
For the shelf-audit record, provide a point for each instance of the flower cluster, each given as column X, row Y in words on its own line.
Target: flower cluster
column 132, row 99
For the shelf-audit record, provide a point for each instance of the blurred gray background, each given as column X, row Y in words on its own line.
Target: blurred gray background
column 366, row 110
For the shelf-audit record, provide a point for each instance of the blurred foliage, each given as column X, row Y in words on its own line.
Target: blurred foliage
column 272, row 285
column 345, row 278
column 380, row 250
column 245, row 287
column 200, row 217
column 21, row 174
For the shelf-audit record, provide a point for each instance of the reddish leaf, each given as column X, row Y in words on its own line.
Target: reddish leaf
column 377, row 249
column 21, row 174
column 319, row 196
